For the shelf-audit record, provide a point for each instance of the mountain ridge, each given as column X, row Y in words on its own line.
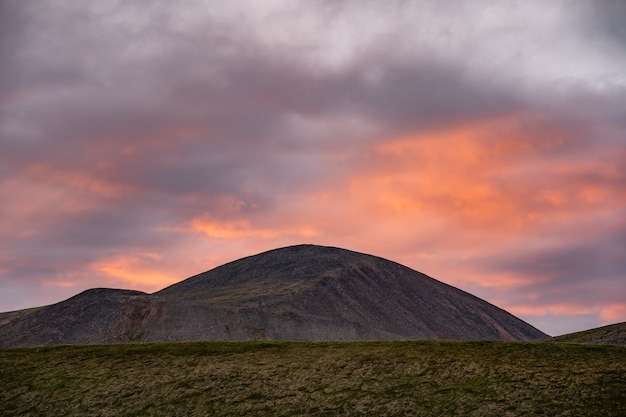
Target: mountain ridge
column 610, row 334
column 301, row 292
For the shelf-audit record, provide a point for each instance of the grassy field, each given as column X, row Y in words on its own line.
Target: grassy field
column 421, row 378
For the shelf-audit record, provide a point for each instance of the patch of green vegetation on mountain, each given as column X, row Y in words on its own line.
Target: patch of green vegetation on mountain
column 427, row 378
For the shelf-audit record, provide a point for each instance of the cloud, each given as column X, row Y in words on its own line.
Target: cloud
column 576, row 270
column 607, row 21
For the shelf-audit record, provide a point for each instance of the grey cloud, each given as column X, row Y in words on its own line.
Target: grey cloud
column 418, row 95
column 608, row 19
column 111, row 226
column 64, row 247
column 591, row 271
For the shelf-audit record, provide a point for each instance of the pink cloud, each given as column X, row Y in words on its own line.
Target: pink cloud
column 613, row 313
column 137, row 271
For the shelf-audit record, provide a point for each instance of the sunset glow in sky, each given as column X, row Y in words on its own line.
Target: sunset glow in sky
column 482, row 143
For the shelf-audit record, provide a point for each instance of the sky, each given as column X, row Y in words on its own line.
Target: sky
column 482, row 143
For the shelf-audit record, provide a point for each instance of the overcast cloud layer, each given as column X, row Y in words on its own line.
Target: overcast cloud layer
column 482, row 143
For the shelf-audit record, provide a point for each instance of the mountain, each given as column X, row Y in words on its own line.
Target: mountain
column 303, row 292
column 614, row 334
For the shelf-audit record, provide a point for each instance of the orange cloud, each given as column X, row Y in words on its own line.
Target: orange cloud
column 77, row 181
column 609, row 314
column 613, row 313
column 30, row 203
column 442, row 173
column 496, row 176
column 500, row 281
column 62, row 284
column 244, row 229
column 134, row 272
column 551, row 309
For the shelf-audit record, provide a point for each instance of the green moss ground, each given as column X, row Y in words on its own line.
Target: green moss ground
column 421, row 378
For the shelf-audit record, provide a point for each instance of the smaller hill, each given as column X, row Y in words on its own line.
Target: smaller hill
column 612, row 334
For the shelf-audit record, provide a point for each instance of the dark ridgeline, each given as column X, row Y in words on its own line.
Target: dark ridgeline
column 303, row 292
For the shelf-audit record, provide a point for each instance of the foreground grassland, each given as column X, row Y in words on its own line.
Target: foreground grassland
column 427, row 378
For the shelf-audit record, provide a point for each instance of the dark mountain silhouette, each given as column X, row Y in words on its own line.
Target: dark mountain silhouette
column 614, row 334
column 303, row 292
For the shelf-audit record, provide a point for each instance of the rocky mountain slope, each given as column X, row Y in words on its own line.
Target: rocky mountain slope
column 303, row 292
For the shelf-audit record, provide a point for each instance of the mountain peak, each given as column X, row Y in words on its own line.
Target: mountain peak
column 266, row 274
